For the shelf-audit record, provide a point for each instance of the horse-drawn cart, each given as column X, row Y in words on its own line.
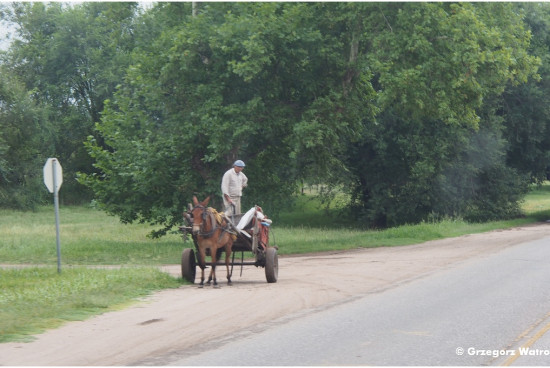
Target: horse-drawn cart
column 250, row 232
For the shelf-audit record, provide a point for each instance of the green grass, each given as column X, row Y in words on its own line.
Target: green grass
column 38, row 298
column 537, row 203
column 298, row 239
column 87, row 237
column 309, row 228
column 90, row 237
column 35, row 299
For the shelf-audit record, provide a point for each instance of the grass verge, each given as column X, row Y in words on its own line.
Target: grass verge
column 308, row 228
column 33, row 300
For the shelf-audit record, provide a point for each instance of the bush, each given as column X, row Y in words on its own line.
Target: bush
column 500, row 193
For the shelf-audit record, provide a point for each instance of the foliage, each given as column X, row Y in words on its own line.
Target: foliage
column 241, row 100
column 499, row 196
column 438, row 68
column 24, row 139
column 419, row 110
column 525, row 108
column 71, row 58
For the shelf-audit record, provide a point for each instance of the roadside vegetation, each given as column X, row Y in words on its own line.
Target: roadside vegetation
column 34, row 297
column 310, row 229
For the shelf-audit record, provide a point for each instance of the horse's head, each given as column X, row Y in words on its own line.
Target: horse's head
column 199, row 214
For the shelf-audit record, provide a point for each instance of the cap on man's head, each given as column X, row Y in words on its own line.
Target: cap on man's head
column 239, row 163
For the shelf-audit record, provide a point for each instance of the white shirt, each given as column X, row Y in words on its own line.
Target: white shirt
column 233, row 183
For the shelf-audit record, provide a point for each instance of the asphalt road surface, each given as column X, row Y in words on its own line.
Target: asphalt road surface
column 488, row 311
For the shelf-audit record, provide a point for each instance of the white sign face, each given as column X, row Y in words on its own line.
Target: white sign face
column 53, row 165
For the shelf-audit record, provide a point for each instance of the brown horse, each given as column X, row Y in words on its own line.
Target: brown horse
column 211, row 235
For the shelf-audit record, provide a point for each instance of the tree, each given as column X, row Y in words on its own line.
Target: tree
column 223, row 85
column 24, row 146
column 437, row 67
column 525, row 108
column 72, row 58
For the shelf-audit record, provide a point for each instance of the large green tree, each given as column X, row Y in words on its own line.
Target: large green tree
column 71, row 57
column 436, row 147
column 238, row 80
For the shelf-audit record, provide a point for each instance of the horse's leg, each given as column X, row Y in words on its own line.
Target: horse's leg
column 227, row 257
column 214, row 256
column 210, row 275
column 202, row 264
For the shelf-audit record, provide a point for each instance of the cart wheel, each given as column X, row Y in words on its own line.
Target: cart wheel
column 271, row 265
column 188, row 265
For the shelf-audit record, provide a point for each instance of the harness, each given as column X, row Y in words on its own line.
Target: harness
column 216, row 220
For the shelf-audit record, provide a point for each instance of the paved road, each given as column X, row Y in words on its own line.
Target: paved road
column 493, row 310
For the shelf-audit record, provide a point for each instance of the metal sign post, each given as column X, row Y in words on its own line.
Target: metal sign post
column 53, row 178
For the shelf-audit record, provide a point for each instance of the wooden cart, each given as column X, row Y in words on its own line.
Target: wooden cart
column 252, row 238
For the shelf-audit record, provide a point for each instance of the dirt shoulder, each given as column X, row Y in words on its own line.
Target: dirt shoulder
column 172, row 324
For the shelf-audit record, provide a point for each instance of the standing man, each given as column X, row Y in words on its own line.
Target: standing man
column 233, row 182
